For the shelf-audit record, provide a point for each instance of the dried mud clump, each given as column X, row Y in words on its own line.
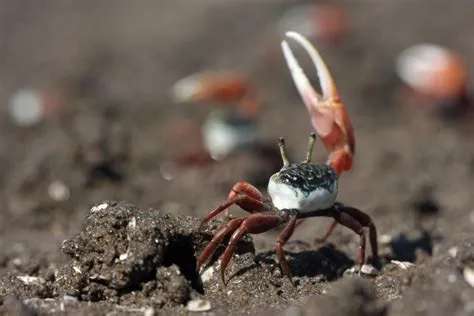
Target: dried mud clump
column 124, row 254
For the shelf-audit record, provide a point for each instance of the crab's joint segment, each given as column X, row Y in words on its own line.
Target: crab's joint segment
column 284, row 156
column 311, row 142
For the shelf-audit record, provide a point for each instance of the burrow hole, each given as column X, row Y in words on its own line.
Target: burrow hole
column 180, row 252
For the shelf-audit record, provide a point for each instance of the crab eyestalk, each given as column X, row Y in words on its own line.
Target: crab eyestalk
column 284, row 156
column 311, row 142
column 327, row 112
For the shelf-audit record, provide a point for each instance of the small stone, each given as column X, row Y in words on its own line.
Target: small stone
column 58, row 191
column 453, row 251
column 30, row 279
column 369, row 270
column 198, row 306
column 207, row 274
column 133, row 223
column 385, row 239
column 100, row 207
column 149, row 312
column 70, row 298
column 403, row 264
column 469, row 276
column 26, row 107
column 366, row 269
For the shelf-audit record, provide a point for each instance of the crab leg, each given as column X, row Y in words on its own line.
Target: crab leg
column 328, row 114
column 253, row 224
column 229, row 228
column 245, row 195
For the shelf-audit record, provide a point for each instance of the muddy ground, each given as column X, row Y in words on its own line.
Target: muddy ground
column 122, row 239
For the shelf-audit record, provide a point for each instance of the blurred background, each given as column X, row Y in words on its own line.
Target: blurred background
column 88, row 113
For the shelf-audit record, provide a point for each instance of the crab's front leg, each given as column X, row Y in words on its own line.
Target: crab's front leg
column 327, row 111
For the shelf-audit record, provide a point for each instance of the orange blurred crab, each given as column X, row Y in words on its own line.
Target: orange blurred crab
column 233, row 121
column 299, row 190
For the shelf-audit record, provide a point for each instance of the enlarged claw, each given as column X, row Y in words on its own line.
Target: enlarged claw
column 222, row 87
column 328, row 114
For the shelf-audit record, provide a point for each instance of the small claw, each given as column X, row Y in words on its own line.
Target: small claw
column 328, row 114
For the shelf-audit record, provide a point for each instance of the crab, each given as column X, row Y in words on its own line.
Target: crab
column 233, row 121
column 300, row 190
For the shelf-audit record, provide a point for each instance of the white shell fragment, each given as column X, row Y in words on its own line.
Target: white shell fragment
column 385, row 239
column 58, row 191
column 198, row 306
column 369, row 270
column 469, row 276
column 100, row 207
column 30, row 279
column 403, row 264
column 207, row 274
column 453, row 251
column 26, row 107
column 366, row 269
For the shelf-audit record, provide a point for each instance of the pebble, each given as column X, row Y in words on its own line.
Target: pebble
column 26, row 107
column 469, row 276
column 100, row 207
column 70, row 298
column 369, row 270
column 366, row 269
column 385, row 239
column 30, row 279
column 453, row 252
column 207, row 274
column 403, row 264
column 198, row 306
column 58, row 191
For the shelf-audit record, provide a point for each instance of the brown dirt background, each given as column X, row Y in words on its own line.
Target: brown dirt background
column 130, row 53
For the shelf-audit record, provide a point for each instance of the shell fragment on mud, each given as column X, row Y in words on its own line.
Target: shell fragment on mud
column 198, row 306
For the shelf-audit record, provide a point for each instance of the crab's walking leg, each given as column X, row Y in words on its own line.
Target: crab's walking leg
column 253, row 224
column 328, row 114
column 328, row 233
column 245, row 195
column 283, row 237
column 358, row 221
column 229, row 228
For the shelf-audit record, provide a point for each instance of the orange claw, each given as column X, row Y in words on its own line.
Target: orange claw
column 328, row 114
column 223, row 87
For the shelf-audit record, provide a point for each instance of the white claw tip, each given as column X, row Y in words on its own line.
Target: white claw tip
column 327, row 84
column 185, row 89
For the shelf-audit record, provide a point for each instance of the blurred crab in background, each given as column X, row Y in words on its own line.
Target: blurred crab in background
column 232, row 123
column 324, row 22
column 299, row 190
column 231, row 127
column 436, row 78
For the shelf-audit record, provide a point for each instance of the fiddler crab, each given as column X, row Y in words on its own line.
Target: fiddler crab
column 233, row 121
column 300, row 190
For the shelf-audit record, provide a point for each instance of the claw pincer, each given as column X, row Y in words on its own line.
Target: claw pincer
column 327, row 111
